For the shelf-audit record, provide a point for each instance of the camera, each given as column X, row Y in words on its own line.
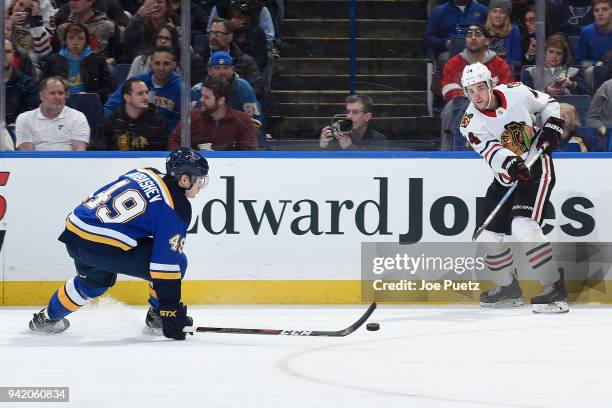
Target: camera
column 342, row 126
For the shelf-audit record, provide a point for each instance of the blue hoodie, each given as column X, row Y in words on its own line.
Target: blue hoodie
column 167, row 98
column 74, row 69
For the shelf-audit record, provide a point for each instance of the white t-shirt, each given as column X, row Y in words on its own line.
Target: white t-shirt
column 51, row 134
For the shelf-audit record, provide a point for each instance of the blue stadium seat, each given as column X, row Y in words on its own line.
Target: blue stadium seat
column 199, row 43
column 574, row 43
column 89, row 104
column 121, row 73
column 580, row 102
column 593, row 139
column 571, row 147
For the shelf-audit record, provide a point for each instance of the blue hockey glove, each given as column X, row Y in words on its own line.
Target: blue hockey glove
column 174, row 319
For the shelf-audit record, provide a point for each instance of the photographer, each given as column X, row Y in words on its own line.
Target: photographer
column 354, row 133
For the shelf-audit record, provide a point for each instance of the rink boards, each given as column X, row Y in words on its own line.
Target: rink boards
column 277, row 227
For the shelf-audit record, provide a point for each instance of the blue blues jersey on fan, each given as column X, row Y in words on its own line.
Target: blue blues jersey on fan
column 136, row 208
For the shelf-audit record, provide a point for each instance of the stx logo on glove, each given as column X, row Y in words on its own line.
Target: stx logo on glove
column 167, row 313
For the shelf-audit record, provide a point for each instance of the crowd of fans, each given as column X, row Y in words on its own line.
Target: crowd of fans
column 502, row 35
column 55, row 48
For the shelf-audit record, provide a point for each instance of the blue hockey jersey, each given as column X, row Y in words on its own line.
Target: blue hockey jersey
column 139, row 204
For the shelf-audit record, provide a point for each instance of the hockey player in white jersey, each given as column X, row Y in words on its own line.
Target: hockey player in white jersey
column 500, row 124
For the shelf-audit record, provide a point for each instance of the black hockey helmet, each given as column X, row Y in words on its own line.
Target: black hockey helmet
column 186, row 161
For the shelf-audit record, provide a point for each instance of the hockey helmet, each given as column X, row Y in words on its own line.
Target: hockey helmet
column 474, row 74
column 186, row 161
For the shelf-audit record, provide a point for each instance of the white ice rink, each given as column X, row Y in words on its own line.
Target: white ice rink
column 446, row 357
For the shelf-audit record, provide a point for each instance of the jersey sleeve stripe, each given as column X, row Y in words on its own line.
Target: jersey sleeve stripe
column 494, row 147
column 166, row 275
column 487, row 145
column 164, row 267
column 162, row 186
column 89, row 236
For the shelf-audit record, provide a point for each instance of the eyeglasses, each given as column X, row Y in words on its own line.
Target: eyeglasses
column 217, row 33
column 354, row 111
column 164, row 38
column 474, row 32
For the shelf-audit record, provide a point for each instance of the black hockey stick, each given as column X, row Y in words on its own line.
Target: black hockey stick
column 274, row 332
column 506, row 196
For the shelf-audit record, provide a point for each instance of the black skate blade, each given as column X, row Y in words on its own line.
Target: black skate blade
column 506, row 303
column 550, row 308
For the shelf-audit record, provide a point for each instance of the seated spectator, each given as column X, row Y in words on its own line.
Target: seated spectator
column 199, row 18
column 476, row 50
column 112, row 8
column 572, row 123
column 142, row 30
column 31, row 31
column 560, row 78
column 167, row 36
column 241, row 96
column 136, row 125
column 235, row 11
column 164, row 87
column 84, row 70
column 362, row 136
column 19, row 61
column 104, row 34
column 6, row 142
column 21, row 90
column 599, row 114
column 596, row 38
column 53, row 125
column 505, row 38
column 220, row 38
column 528, row 37
column 449, row 20
column 217, row 124
column 569, row 16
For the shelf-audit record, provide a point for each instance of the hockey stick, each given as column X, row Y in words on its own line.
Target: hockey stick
column 506, row 196
column 273, row 332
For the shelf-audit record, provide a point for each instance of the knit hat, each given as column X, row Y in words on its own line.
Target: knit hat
column 220, row 58
column 505, row 5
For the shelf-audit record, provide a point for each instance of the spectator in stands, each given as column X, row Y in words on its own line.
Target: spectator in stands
column 476, row 50
column 505, row 38
column 84, row 70
column 136, row 125
column 220, row 38
column 53, row 125
column 241, row 96
column 199, row 18
column 164, row 87
column 216, row 123
column 528, row 36
column 104, row 34
column 572, row 123
column 31, row 32
column 359, row 109
column 145, row 24
column 560, row 77
column 167, row 36
column 112, row 8
column 519, row 9
column 569, row 16
column 596, row 38
column 21, row 90
column 600, row 111
column 449, row 20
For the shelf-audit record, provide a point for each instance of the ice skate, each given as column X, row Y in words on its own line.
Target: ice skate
column 553, row 299
column 153, row 322
column 503, row 296
column 41, row 323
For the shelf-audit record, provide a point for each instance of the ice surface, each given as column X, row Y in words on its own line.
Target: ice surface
column 421, row 357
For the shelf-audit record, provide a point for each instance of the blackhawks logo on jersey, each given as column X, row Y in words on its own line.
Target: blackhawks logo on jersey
column 466, row 119
column 513, row 84
column 517, row 137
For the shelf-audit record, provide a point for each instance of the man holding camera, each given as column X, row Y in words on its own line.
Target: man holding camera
column 354, row 133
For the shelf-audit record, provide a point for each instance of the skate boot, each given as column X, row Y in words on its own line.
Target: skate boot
column 41, row 323
column 153, row 322
column 503, row 296
column 553, row 299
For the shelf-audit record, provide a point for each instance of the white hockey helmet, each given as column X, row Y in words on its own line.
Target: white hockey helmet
column 474, row 74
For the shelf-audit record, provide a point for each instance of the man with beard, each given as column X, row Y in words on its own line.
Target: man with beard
column 164, row 87
column 217, row 125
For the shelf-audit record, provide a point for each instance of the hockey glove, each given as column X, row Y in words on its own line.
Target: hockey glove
column 551, row 134
column 174, row 319
column 517, row 170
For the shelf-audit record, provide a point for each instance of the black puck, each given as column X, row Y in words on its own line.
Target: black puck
column 372, row 326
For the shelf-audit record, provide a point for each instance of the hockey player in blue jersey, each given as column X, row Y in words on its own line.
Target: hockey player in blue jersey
column 134, row 226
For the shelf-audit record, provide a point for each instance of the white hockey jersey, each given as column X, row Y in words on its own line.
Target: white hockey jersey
column 509, row 130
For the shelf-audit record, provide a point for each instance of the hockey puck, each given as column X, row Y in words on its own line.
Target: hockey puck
column 372, row 326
